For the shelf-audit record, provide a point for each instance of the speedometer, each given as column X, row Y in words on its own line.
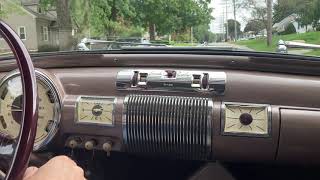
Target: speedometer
column 11, row 108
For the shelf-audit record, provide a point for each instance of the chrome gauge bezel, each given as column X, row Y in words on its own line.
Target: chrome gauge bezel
column 244, row 134
column 76, row 118
column 47, row 83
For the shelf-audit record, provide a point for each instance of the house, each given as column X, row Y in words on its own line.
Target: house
column 36, row 28
column 291, row 19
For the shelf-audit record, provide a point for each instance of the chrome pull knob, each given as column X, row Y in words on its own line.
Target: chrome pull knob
column 73, row 144
column 107, row 147
column 89, row 145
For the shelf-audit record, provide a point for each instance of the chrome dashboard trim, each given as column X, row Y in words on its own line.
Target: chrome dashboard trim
column 96, row 123
column 210, row 126
column 57, row 108
column 124, row 121
column 168, row 125
column 178, row 81
column 222, row 120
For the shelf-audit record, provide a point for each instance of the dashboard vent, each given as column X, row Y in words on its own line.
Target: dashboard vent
column 170, row 126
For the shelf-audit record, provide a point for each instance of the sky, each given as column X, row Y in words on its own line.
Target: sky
column 219, row 13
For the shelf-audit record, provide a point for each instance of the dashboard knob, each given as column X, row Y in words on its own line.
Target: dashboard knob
column 107, row 147
column 73, row 143
column 245, row 119
column 89, row 145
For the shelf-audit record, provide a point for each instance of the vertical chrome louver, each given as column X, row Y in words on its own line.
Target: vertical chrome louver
column 168, row 126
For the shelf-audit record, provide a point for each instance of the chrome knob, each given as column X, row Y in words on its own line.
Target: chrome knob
column 107, row 147
column 89, row 145
column 73, row 143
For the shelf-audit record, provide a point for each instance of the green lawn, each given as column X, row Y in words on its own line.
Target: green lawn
column 261, row 44
column 314, row 53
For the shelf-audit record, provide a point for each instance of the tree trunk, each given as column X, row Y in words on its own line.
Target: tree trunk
column 269, row 22
column 152, row 32
column 114, row 11
column 64, row 24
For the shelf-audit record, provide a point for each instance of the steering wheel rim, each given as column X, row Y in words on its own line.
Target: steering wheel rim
column 30, row 103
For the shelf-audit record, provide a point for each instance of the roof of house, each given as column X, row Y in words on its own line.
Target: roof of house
column 48, row 16
column 29, row 2
column 280, row 26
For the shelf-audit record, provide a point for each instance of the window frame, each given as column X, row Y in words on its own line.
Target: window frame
column 45, row 33
column 25, row 32
column 40, row 11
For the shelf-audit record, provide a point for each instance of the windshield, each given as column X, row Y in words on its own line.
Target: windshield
column 278, row 26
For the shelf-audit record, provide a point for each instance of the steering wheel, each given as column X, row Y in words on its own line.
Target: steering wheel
column 20, row 148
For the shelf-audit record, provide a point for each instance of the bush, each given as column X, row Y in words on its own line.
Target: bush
column 131, row 32
column 48, row 48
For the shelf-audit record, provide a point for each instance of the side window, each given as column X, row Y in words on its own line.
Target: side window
column 22, row 32
column 40, row 10
column 44, row 33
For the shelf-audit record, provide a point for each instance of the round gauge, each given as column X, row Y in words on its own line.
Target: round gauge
column 11, row 108
column 246, row 119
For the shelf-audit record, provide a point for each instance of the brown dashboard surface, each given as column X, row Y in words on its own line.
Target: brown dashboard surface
column 294, row 101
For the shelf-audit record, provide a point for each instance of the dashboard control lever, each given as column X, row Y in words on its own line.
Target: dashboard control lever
column 107, row 147
column 89, row 145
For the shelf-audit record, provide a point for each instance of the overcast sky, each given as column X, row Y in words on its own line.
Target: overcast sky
column 219, row 13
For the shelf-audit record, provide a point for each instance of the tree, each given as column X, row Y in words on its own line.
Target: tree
column 316, row 11
column 64, row 23
column 231, row 27
column 283, row 9
column 262, row 11
column 113, row 17
column 308, row 11
column 269, row 22
column 255, row 26
column 171, row 16
column 202, row 34
column 96, row 18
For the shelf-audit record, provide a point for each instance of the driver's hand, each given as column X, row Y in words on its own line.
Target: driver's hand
column 58, row 168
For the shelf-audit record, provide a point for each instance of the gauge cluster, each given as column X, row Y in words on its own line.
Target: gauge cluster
column 11, row 97
column 246, row 119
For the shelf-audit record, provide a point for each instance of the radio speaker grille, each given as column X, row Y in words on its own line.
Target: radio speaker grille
column 170, row 126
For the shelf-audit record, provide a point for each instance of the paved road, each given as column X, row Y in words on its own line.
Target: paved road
column 299, row 51
column 244, row 48
column 229, row 45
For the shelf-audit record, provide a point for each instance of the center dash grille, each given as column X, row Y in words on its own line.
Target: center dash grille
column 170, row 126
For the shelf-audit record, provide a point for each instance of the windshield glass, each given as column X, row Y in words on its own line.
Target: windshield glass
column 278, row 26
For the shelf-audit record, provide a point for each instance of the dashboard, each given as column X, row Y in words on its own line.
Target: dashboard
column 179, row 112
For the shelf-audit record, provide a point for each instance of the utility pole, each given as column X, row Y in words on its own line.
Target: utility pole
column 269, row 22
column 191, row 35
column 235, row 20
column 227, row 28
